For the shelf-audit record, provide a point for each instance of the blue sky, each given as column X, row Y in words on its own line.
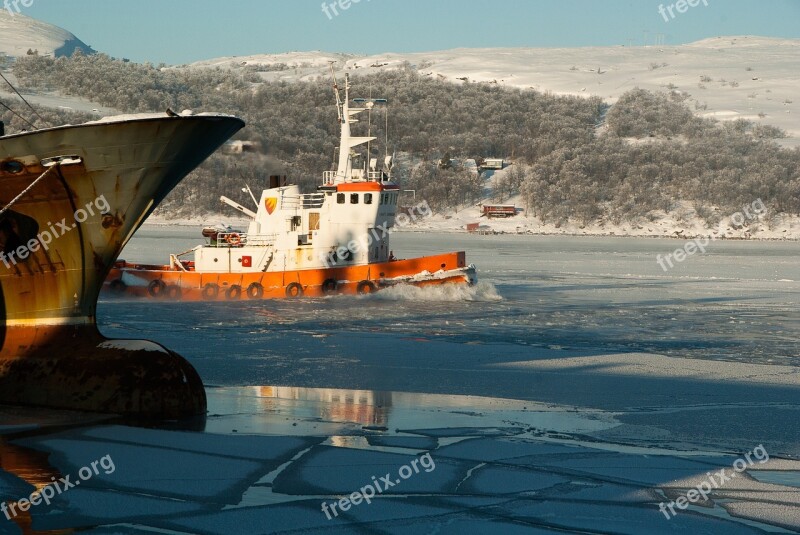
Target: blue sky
column 180, row 31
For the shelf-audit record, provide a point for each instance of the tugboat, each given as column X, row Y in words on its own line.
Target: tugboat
column 70, row 199
column 332, row 241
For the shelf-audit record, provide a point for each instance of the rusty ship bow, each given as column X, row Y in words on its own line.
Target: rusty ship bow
column 70, row 199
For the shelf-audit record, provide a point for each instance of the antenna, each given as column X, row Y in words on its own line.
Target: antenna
column 336, row 91
column 386, row 145
column 369, row 105
column 246, row 189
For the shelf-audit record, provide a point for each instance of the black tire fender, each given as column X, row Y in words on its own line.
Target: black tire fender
column 156, row 288
column 294, row 289
column 255, row 291
column 118, row 287
column 174, row 292
column 329, row 286
column 210, row 291
column 233, row 292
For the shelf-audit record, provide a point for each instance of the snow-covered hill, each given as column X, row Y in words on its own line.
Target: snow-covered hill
column 19, row 33
column 728, row 78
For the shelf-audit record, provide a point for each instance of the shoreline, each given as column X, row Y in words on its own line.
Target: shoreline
column 676, row 235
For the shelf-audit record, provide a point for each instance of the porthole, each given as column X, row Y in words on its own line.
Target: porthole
column 12, row 166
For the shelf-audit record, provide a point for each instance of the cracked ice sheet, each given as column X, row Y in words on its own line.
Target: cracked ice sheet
column 648, row 470
column 487, row 449
column 307, row 515
column 335, row 470
column 307, row 411
column 784, row 496
column 784, row 515
column 278, row 449
column 466, row 431
column 157, row 471
column 198, row 466
column 493, row 480
column 527, row 453
column 15, row 419
column 744, row 427
column 414, row 443
column 462, row 524
column 122, row 529
column 618, row 519
column 497, row 480
column 82, row 508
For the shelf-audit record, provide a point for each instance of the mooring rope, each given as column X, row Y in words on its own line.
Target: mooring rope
column 26, row 190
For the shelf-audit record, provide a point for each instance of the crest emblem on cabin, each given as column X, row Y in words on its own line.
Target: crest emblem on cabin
column 271, row 203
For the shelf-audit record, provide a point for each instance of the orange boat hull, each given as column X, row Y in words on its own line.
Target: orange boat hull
column 165, row 282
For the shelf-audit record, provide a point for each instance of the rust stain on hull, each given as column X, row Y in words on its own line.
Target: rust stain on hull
column 52, row 354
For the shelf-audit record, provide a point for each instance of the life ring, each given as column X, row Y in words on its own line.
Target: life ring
column 366, row 288
column 329, row 286
column 294, row 290
column 234, row 292
column 210, row 291
column 156, row 288
column 234, row 240
column 118, row 287
column 174, row 291
column 255, row 291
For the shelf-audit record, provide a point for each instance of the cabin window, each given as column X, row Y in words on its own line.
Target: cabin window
column 340, row 198
column 368, row 198
column 354, row 198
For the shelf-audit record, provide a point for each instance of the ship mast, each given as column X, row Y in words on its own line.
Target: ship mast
column 344, row 171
